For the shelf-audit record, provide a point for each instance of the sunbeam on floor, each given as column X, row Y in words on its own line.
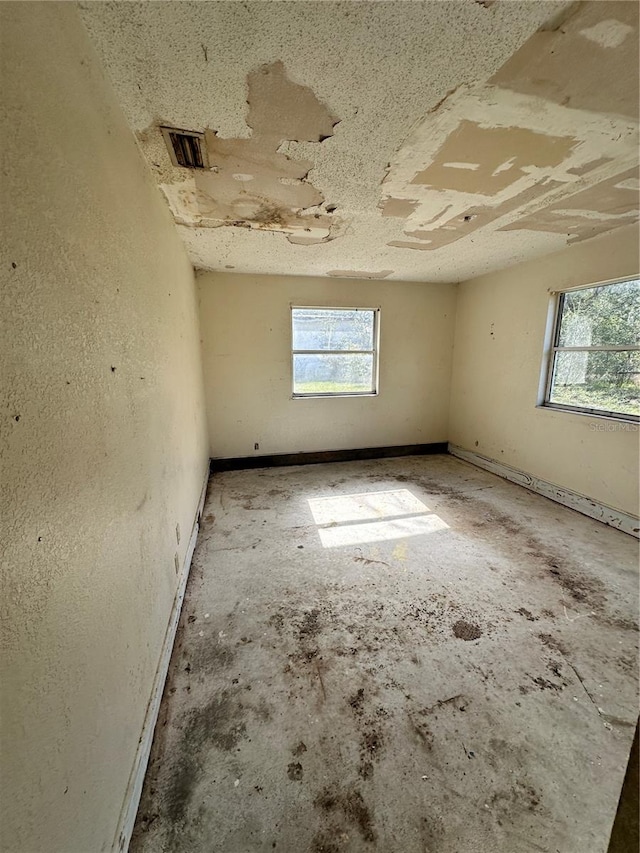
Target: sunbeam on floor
column 372, row 517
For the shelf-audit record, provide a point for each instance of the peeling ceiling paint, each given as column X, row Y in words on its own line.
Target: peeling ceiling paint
column 575, row 64
column 489, row 158
column 249, row 183
column 342, row 137
column 595, row 210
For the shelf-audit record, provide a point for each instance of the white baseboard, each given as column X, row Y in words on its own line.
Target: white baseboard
column 606, row 514
column 136, row 780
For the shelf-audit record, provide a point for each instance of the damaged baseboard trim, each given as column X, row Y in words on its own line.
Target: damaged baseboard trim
column 574, row 500
column 136, row 780
column 276, row 460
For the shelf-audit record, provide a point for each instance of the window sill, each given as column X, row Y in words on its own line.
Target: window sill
column 593, row 414
column 333, row 396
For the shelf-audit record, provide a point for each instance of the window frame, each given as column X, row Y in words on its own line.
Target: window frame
column 375, row 352
column 554, row 348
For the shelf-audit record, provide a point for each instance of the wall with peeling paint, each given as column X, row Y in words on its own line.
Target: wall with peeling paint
column 102, row 435
column 498, row 359
column 245, row 326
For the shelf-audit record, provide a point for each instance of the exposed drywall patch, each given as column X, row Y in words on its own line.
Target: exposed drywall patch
column 314, row 236
column 596, row 210
column 559, row 65
column 406, row 244
column 285, row 110
column 609, row 33
column 491, row 157
column 250, row 183
column 359, row 274
column 210, row 208
column 400, row 207
column 630, row 183
column 558, row 20
column 525, row 154
column 472, row 219
column 589, row 167
column 485, row 160
column 267, row 173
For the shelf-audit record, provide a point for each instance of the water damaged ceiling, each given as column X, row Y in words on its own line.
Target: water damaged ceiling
column 429, row 141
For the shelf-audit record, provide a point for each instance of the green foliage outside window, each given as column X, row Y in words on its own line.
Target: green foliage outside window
column 606, row 380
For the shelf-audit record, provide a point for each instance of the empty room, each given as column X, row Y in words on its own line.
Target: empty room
column 319, row 451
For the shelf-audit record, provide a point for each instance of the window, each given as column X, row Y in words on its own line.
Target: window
column 334, row 351
column 595, row 358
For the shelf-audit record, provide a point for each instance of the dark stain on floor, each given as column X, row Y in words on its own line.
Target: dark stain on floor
column 214, row 724
column 300, row 749
column 309, row 626
column 314, row 632
column 527, row 614
column 351, row 805
column 464, row 630
column 295, row 771
column 484, row 520
column 553, row 643
column 421, row 729
column 357, row 701
column 520, row 795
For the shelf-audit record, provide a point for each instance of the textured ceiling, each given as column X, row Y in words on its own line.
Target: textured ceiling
column 428, row 141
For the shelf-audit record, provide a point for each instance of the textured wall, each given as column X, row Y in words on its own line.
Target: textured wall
column 500, row 330
column 102, row 435
column 245, row 325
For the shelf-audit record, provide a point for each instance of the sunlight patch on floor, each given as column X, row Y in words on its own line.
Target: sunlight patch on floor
column 372, row 517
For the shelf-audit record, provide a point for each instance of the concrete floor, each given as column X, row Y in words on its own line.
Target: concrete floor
column 450, row 666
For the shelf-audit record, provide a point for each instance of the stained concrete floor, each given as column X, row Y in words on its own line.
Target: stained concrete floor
column 450, row 666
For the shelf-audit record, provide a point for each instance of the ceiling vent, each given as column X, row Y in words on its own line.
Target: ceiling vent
column 186, row 148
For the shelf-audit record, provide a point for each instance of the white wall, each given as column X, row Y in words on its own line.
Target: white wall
column 498, row 355
column 103, row 445
column 245, row 326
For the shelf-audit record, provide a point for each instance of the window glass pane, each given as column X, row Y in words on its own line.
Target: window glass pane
column 335, row 329
column 601, row 316
column 332, row 374
column 608, row 381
